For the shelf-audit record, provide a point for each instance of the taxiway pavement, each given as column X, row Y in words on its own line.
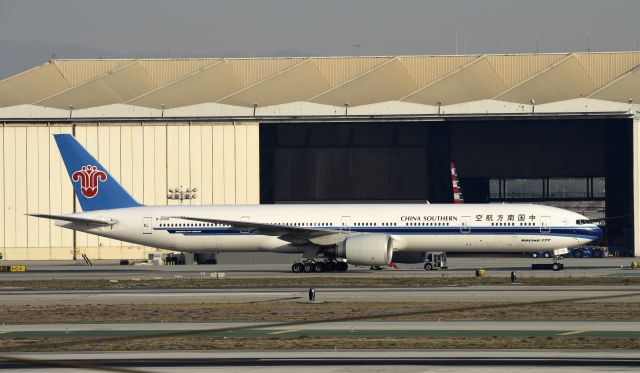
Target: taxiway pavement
column 475, row 329
column 458, row 266
column 336, row 361
column 444, row 294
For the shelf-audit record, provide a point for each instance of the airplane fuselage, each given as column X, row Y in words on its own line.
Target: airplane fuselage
column 413, row 227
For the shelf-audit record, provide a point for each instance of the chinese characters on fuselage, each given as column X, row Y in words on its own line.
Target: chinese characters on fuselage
column 505, row 218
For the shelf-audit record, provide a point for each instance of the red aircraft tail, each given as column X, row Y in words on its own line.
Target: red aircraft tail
column 457, row 191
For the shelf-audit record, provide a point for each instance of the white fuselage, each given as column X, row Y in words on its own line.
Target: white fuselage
column 413, row 227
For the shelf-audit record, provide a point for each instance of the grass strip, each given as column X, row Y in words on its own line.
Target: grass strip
column 332, row 343
column 300, row 311
column 304, row 281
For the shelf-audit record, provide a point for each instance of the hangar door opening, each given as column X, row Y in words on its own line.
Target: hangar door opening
column 583, row 165
column 353, row 162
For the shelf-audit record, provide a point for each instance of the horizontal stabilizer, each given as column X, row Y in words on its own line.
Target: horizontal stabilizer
column 75, row 219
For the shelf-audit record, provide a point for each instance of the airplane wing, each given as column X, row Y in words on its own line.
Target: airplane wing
column 295, row 235
column 75, row 219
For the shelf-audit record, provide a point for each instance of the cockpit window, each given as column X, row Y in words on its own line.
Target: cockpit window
column 583, row 221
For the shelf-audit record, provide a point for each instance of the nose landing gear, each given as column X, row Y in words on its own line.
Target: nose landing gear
column 555, row 266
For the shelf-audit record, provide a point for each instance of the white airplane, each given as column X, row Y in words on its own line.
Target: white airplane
column 329, row 236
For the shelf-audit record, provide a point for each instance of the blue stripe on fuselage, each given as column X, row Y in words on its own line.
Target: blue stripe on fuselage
column 581, row 232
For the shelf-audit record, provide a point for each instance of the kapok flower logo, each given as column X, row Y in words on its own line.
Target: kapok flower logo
column 89, row 176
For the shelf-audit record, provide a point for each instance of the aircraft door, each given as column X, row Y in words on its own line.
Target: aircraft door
column 545, row 223
column 465, row 227
column 147, row 227
column 345, row 223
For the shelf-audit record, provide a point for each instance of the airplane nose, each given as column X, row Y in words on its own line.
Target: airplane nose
column 594, row 232
column 598, row 231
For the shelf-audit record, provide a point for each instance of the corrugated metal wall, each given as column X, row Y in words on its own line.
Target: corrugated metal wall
column 220, row 159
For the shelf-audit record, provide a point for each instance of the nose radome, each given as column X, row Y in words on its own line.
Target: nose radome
column 598, row 231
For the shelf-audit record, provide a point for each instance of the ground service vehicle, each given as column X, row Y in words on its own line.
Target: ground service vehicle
column 436, row 260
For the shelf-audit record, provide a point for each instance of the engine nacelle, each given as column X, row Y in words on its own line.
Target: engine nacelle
column 366, row 249
column 409, row 257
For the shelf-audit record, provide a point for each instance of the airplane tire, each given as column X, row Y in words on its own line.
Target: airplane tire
column 342, row 266
column 296, row 268
column 329, row 266
column 308, row 267
column 319, row 267
column 428, row 267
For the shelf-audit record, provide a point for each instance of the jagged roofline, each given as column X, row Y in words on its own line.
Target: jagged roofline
column 336, row 81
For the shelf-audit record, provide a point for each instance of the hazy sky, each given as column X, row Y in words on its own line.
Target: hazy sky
column 139, row 28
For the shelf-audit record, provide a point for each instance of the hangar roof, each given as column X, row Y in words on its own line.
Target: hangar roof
column 326, row 81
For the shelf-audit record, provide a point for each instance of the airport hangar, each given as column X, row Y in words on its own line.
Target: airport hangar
column 551, row 128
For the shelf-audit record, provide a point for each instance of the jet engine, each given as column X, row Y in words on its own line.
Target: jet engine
column 367, row 249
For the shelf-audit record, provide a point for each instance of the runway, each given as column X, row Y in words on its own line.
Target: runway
column 339, row 361
column 470, row 294
column 563, row 333
column 473, row 329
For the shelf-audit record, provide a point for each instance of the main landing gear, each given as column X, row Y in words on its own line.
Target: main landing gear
column 319, row 265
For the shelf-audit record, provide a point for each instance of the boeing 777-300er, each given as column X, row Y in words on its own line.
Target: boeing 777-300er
column 330, row 236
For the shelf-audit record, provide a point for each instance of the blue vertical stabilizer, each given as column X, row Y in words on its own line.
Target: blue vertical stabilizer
column 94, row 187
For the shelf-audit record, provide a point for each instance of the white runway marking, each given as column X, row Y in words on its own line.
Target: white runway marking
column 286, row 331
column 574, row 332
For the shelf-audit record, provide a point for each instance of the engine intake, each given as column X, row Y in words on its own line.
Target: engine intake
column 367, row 249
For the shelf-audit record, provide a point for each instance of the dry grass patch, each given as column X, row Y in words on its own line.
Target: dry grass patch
column 280, row 343
column 306, row 281
column 297, row 311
